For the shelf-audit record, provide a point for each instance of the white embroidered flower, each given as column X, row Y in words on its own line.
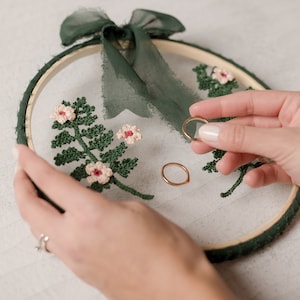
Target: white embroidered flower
column 130, row 134
column 222, row 75
column 63, row 113
column 98, row 173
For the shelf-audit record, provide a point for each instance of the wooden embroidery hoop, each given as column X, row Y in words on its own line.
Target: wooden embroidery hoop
column 218, row 252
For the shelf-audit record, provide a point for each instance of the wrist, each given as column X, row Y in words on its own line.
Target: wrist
column 202, row 281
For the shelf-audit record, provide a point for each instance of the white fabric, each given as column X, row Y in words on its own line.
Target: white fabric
column 262, row 36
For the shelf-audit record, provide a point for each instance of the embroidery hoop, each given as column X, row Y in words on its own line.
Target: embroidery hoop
column 218, row 252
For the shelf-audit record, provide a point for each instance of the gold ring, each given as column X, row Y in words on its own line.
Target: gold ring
column 177, row 165
column 187, row 121
column 42, row 246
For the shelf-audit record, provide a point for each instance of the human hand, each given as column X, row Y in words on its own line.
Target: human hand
column 267, row 124
column 125, row 249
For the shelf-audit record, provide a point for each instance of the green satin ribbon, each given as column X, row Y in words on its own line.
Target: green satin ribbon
column 134, row 72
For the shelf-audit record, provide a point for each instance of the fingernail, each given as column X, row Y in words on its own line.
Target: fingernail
column 209, row 133
column 15, row 153
column 17, row 168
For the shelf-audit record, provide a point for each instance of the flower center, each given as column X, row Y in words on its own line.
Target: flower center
column 223, row 74
column 128, row 133
column 62, row 113
column 97, row 172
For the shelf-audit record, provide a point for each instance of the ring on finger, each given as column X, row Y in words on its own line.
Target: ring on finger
column 42, row 246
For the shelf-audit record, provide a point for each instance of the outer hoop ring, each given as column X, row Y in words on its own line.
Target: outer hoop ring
column 168, row 181
column 216, row 253
column 186, row 122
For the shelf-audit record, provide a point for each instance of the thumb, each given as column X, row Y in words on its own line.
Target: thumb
column 265, row 142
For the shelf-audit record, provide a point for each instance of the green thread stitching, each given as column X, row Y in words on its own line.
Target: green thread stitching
column 97, row 139
column 216, row 89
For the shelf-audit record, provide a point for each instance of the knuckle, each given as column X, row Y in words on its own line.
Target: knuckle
column 236, row 138
column 90, row 216
column 250, row 107
column 74, row 248
column 75, row 251
column 44, row 175
column 137, row 206
column 25, row 210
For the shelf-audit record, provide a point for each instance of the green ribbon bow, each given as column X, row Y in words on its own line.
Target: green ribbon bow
column 134, row 72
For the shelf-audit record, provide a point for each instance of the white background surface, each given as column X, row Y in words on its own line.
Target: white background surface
column 263, row 36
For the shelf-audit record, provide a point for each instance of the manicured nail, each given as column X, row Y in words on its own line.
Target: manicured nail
column 17, row 168
column 209, row 133
column 15, row 153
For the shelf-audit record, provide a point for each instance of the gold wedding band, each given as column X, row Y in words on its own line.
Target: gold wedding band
column 168, row 181
column 186, row 122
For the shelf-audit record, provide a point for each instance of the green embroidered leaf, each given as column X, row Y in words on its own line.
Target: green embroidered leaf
column 79, row 173
column 204, row 81
column 123, row 168
column 83, row 112
column 112, row 155
column 98, row 187
column 100, row 143
column 92, row 132
column 66, row 103
column 62, row 139
column 214, row 87
column 68, row 155
column 58, row 126
column 81, row 107
column 86, row 120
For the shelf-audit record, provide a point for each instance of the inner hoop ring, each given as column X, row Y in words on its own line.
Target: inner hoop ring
column 218, row 252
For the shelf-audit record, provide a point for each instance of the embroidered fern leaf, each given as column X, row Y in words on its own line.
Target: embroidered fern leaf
column 102, row 142
column 215, row 88
column 62, row 139
column 123, row 168
column 58, row 126
column 112, row 155
column 68, row 155
column 91, row 138
column 93, row 131
column 86, row 120
column 79, row 172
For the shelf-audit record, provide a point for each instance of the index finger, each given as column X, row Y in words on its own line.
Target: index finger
column 62, row 189
column 260, row 103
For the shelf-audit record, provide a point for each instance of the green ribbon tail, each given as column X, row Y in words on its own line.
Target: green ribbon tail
column 168, row 94
column 122, row 88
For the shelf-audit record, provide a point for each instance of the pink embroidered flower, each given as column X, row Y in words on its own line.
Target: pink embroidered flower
column 130, row 134
column 222, row 75
column 98, row 173
column 63, row 113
